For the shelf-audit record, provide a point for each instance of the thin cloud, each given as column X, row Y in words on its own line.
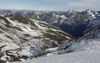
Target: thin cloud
column 62, row 5
column 14, row 6
column 55, row 0
column 86, row 4
column 23, row 7
column 59, row 0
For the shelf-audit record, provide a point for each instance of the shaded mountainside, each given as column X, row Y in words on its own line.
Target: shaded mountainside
column 90, row 39
column 72, row 22
column 93, row 30
column 19, row 32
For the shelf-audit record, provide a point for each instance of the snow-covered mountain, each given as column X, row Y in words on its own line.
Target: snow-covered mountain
column 72, row 22
column 17, row 33
column 89, row 39
column 93, row 30
column 86, row 49
column 5, row 12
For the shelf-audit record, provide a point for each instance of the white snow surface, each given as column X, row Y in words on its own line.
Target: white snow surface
column 88, row 56
column 86, row 51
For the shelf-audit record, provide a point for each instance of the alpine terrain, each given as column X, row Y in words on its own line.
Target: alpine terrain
column 86, row 49
column 58, row 36
column 18, row 33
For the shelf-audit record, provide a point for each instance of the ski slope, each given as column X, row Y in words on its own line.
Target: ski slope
column 87, row 51
column 88, row 56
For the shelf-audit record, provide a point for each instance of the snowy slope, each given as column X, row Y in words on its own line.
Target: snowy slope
column 89, row 56
column 88, row 51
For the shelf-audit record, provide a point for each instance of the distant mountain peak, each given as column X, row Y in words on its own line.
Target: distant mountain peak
column 71, row 10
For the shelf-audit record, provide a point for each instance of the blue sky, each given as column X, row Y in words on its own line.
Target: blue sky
column 51, row 5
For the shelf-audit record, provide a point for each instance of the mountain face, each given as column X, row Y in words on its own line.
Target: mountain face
column 18, row 32
column 90, row 39
column 72, row 22
column 93, row 30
